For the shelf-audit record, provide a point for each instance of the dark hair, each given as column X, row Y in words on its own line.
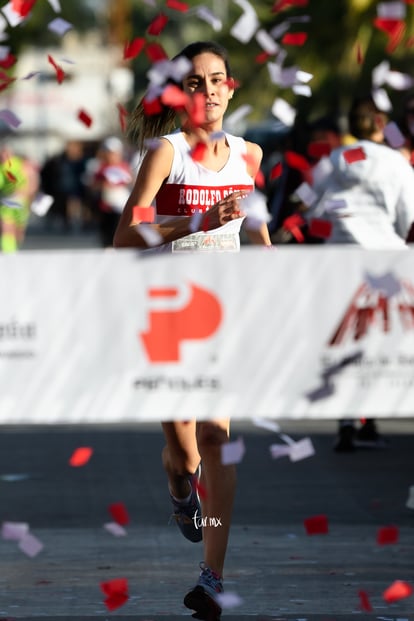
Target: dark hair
column 363, row 117
column 325, row 123
column 143, row 126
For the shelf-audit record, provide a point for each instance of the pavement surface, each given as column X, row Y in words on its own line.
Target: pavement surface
column 277, row 571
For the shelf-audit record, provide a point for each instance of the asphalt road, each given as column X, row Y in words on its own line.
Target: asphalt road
column 274, row 567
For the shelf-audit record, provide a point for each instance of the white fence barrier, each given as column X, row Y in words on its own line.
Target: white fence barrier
column 110, row 336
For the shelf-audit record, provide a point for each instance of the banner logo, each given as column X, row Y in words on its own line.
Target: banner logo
column 176, row 316
column 377, row 304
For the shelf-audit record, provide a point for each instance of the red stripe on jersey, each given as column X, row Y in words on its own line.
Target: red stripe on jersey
column 175, row 199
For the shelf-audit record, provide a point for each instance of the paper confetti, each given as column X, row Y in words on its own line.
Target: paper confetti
column 132, row 49
column 301, row 450
column 284, row 111
column 183, row 7
column 387, row 535
column 393, row 135
column 59, row 26
column 320, row 228
column 209, row 17
column 22, row 7
column 80, row 456
column 30, row 545
column 397, row 590
column 306, row 194
column 365, row 604
column 232, row 452
column 316, row 525
column 354, row 155
column 229, row 600
column 150, row 236
column 266, row 423
column 143, row 214
column 85, row 118
column 157, row 25
column 14, row 531
column 297, row 38
column 60, row 74
column 119, row 513
column 10, row 118
column 115, row 529
column 116, row 591
column 410, row 500
column 246, row 26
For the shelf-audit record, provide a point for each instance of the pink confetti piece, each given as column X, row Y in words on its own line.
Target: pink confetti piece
column 80, row 456
column 316, row 525
column 30, row 545
column 397, row 590
column 232, row 452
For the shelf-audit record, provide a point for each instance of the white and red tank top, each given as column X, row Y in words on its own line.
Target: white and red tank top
column 192, row 189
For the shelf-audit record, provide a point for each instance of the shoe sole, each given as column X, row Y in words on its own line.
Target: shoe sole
column 204, row 606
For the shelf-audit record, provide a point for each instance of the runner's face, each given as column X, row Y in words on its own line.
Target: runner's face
column 208, row 76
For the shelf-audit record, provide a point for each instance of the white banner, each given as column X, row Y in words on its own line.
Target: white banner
column 112, row 336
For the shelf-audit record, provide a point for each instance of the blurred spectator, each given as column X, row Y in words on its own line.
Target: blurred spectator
column 112, row 183
column 407, row 128
column 62, row 178
column 18, row 185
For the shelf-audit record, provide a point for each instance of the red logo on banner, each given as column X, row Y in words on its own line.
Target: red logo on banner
column 198, row 318
column 376, row 304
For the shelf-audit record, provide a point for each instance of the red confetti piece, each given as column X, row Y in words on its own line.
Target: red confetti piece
column 276, row 171
column 262, row 58
column 293, row 224
column 116, row 591
column 152, row 107
column 8, row 62
column 183, row 7
column 232, row 83
column 143, row 214
column 316, row 525
column 157, row 25
column 119, row 513
column 174, row 97
column 394, row 28
column 387, row 535
column 320, row 228
column 155, row 52
column 359, row 54
column 259, row 179
column 294, row 38
column 60, row 74
column 281, row 5
column 5, row 81
column 397, row 590
column 198, row 152
column 80, row 456
column 319, row 149
column 364, row 602
column 354, row 155
column 10, row 176
column 122, row 115
column 294, row 160
column 84, row 118
column 201, row 490
column 197, row 110
column 132, row 49
column 23, row 7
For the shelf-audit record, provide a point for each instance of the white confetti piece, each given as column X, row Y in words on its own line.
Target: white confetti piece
column 302, row 90
column 13, row 18
column 410, row 500
column 301, row 450
column 266, row 423
column 55, row 4
column 41, row 204
column 30, row 545
column 392, row 10
column 151, row 237
column 382, row 100
column 379, row 73
column 209, row 17
column 59, row 26
column 279, row 450
column 322, row 169
column 399, row 81
column 229, row 599
column 266, row 42
column 10, row 118
column 284, row 111
column 306, row 194
column 4, row 51
column 14, row 531
column 388, row 284
column 393, row 135
column 115, row 529
column 254, row 205
column 237, row 116
column 232, row 452
column 331, row 204
column 246, row 26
